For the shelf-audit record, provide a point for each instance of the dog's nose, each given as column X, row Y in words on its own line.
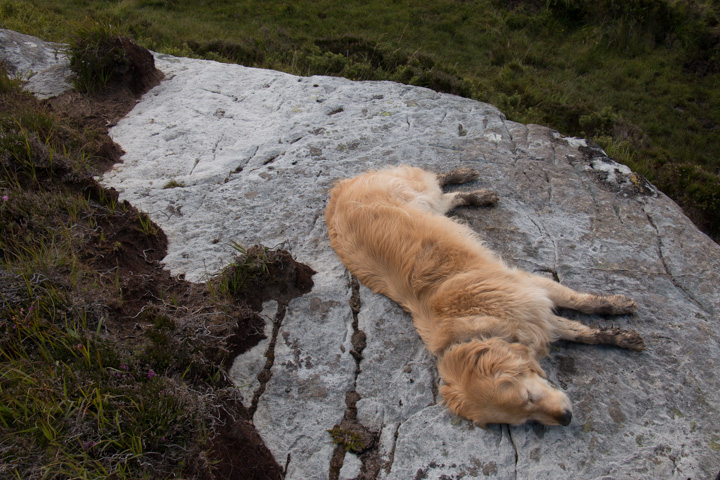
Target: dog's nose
column 566, row 418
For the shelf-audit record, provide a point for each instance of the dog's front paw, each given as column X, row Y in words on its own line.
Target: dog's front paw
column 458, row 176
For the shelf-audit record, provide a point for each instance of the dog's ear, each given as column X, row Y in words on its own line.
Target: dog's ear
column 453, row 398
column 525, row 353
column 519, row 349
column 455, row 401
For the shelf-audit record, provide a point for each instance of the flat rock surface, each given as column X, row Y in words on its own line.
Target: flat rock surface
column 219, row 153
column 44, row 65
column 256, row 152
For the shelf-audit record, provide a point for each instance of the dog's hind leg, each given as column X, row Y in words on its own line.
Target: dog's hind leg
column 577, row 332
column 564, row 297
column 478, row 198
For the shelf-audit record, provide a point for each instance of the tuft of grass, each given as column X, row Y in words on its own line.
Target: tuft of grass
column 97, row 56
column 249, row 266
column 146, row 225
column 173, row 184
column 351, row 441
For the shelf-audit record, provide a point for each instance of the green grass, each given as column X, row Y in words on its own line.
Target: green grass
column 74, row 406
column 76, row 401
column 638, row 77
column 248, row 266
column 96, row 57
column 349, row 440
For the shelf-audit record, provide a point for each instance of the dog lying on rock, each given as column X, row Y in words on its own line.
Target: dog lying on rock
column 486, row 323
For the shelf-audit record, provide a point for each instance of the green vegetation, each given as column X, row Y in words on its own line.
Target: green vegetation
column 638, row 77
column 96, row 56
column 72, row 404
column 349, row 440
column 249, row 266
column 75, row 407
column 105, row 372
column 173, row 184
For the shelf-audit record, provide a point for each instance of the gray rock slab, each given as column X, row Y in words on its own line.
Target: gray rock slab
column 485, row 453
column 312, row 371
column 351, row 468
column 256, row 153
column 247, row 367
column 44, row 65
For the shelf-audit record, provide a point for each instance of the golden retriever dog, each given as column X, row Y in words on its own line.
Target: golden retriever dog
column 486, row 323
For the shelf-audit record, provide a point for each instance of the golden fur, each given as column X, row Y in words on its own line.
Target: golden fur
column 485, row 322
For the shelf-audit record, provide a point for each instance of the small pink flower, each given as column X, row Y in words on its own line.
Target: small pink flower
column 5, row 198
column 151, row 373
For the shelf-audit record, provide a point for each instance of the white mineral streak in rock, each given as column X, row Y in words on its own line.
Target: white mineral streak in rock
column 257, row 152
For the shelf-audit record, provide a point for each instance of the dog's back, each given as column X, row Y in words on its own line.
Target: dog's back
column 386, row 228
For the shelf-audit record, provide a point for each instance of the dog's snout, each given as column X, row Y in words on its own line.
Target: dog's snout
column 565, row 418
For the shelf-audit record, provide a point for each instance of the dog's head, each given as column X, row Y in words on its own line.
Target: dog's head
column 493, row 381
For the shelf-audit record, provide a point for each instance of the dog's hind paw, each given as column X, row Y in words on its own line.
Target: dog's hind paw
column 628, row 339
column 458, row 176
column 479, row 198
column 617, row 305
column 631, row 340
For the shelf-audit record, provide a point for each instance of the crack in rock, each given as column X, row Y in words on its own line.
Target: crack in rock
column 391, row 456
column 666, row 267
column 512, row 442
column 544, row 232
column 297, row 281
column 266, row 373
column 350, row 436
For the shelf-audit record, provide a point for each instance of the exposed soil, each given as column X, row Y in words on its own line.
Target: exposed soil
column 127, row 253
column 239, row 448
